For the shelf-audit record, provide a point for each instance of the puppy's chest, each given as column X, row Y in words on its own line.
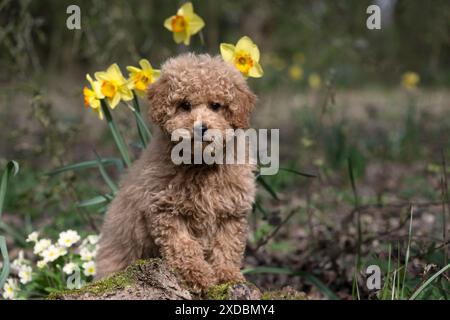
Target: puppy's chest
column 215, row 196
column 208, row 206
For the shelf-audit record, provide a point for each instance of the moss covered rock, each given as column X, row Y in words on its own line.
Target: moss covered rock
column 234, row 291
column 145, row 279
column 153, row 280
column 287, row 293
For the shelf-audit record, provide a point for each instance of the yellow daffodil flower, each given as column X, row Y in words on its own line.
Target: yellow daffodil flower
column 92, row 96
column 114, row 86
column 314, row 81
column 296, row 72
column 245, row 56
column 184, row 24
column 410, row 80
column 141, row 78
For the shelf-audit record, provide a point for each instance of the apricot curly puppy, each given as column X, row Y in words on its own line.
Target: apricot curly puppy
column 193, row 216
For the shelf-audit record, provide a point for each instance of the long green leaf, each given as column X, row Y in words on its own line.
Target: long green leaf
column 319, row 284
column 5, row 269
column 428, row 282
column 144, row 132
column 307, row 175
column 12, row 168
column 118, row 139
column 18, row 237
column 105, row 174
column 93, row 201
column 261, row 209
column 268, row 188
column 87, row 165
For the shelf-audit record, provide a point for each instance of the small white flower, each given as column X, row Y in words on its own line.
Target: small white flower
column 89, row 268
column 69, row 268
column 86, row 254
column 33, row 237
column 41, row 264
column 10, row 289
column 93, row 239
column 41, row 245
column 90, row 241
column 52, row 253
column 68, row 238
column 62, row 251
column 19, row 261
column 25, row 274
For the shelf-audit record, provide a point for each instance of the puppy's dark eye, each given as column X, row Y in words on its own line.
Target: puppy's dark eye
column 215, row 106
column 185, row 105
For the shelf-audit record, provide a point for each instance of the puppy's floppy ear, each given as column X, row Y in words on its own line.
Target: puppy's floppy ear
column 242, row 106
column 157, row 94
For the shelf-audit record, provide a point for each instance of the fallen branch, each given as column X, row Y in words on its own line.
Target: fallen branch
column 153, row 280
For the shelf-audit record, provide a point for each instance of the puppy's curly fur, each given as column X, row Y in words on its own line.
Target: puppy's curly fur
column 193, row 216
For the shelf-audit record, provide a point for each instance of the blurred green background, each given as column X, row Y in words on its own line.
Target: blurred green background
column 331, row 35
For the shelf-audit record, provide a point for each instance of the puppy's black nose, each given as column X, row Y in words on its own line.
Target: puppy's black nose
column 203, row 129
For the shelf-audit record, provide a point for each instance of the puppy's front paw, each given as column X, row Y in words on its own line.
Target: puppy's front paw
column 229, row 275
column 199, row 280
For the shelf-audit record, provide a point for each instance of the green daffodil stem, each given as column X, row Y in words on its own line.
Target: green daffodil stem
column 116, row 134
column 144, row 132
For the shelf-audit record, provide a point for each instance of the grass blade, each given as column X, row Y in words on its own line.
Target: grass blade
column 393, row 285
column 428, row 282
column 388, row 276
column 358, row 214
column 355, row 286
column 352, row 181
column 408, row 250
